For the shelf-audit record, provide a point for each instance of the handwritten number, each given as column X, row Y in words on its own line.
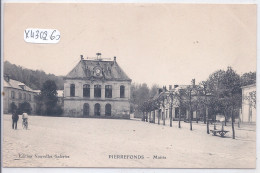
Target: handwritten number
column 45, row 35
column 58, row 37
column 32, row 34
column 41, row 35
column 37, row 34
column 52, row 37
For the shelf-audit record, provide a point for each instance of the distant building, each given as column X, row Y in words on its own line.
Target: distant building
column 60, row 95
column 175, row 105
column 248, row 112
column 17, row 92
column 97, row 88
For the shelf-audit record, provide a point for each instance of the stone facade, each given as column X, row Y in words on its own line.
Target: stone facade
column 96, row 88
column 17, row 93
column 248, row 112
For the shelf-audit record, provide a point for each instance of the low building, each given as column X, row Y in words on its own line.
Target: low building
column 248, row 112
column 167, row 104
column 16, row 92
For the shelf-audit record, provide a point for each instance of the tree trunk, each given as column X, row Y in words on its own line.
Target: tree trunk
column 163, row 117
column 204, row 117
column 159, row 116
column 170, row 116
column 232, row 117
column 225, row 114
column 143, row 119
column 190, row 113
column 197, row 115
column 207, row 117
column 146, row 116
column 190, row 119
column 179, row 117
column 239, row 119
column 154, row 116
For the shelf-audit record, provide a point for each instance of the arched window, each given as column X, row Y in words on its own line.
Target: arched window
column 108, row 110
column 97, row 109
column 86, row 90
column 108, row 91
column 122, row 91
column 72, row 90
column 97, row 91
column 86, row 109
column 20, row 96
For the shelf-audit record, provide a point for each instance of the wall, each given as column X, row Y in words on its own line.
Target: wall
column 73, row 106
column 245, row 105
column 7, row 100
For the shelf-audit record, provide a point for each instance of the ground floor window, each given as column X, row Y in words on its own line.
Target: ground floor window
column 86, row 109
column 97, row 109
column 108, row 110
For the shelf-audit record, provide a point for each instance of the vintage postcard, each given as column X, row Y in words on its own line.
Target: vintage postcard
column 129, row 85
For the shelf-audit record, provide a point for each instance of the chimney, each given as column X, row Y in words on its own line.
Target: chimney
column 164, row 88
column 81, row 57
column 170, row 87
column 193, row 82
column 159, row 90
column 6, row 77
column 114, row 58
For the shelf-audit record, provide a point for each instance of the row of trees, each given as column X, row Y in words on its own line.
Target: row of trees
column 219, row 94
column 47, row 100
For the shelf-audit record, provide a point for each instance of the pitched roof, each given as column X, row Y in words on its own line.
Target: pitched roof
column 17, row 85
column 110, row 70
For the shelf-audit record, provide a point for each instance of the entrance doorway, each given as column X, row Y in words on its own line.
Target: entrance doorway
column 86, row 109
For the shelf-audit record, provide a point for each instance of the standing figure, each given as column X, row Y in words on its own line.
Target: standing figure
column 15, row 118
column 25, row 120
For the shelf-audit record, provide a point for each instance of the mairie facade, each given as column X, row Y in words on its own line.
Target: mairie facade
column 97, row 88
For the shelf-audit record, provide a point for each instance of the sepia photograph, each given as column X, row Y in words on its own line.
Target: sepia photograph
column 129, row 85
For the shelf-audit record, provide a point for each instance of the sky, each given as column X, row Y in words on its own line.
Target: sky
column 163, row 44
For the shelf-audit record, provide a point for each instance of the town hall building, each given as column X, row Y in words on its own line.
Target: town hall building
column 97, row 88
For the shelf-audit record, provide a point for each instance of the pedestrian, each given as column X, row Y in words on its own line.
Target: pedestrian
column 15, row 118
column 25, row 120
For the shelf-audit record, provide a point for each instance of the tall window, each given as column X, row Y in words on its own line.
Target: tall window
column 29, row 97
column 12, row 94
column 86, row 90
column 108, row 91
column 122, row 91
column 24, row 96
column 72, row 90
column 20, row 96
column 86, row 109
column 97, row 109
column 108, row 110
column 97, row 91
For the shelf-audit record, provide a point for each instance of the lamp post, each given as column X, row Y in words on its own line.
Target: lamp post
column 206, row 94
column 207, row 113
column 190, row 101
